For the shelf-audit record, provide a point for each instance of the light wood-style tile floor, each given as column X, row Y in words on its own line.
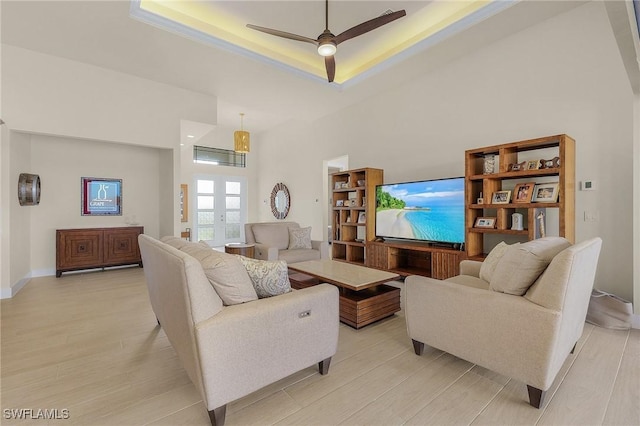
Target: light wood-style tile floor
column 89, row 343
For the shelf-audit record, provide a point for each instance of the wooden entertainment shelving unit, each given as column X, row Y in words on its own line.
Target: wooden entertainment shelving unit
column 350, row 235
column 414, row 258
column 477, row 183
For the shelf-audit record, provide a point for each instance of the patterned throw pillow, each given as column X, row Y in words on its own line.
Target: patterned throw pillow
column 300, row 238
column 268, row 278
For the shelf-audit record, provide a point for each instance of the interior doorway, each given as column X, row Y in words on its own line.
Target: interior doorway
column 333, row 165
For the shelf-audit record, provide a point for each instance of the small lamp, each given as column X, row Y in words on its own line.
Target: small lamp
column 241, row 139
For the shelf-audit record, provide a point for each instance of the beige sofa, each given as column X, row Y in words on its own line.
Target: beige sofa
column 272, row 243
column 231, row 351
column 526, row 337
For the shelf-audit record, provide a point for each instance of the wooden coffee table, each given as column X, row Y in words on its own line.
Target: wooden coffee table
column 363, row 296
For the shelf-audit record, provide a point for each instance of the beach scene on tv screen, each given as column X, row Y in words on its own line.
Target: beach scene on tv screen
column 429, row 210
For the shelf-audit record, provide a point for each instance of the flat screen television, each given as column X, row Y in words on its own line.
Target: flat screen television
column 428, row 210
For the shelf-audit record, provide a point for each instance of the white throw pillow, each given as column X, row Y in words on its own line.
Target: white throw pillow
column 269, row 278
column 225, row 273
column 522, row 264
column 300, row 238
column 491, row 261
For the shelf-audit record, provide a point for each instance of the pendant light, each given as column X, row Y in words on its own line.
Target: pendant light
column 241, row 139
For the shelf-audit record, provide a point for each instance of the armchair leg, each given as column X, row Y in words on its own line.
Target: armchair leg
column 418, row 347
column 574, row 347
column 536, row 396
column 158, row 322
column 323, row 366
column 217, row 416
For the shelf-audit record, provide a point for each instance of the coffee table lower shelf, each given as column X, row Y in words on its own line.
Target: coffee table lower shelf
column 358, row 308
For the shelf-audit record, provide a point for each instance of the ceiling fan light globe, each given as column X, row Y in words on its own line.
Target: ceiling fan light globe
column 327, row 49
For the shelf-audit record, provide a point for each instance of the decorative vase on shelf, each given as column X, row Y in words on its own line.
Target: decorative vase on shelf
column 489, row 164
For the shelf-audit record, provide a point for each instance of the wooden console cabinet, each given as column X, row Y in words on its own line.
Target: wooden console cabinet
column 90, row 248
column 408, row 258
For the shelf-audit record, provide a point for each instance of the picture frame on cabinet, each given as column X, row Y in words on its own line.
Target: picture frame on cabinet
column 545, row 193
column 339, row 203
column 523, row 192
column 485, row 222
column 101, row 196
column 517, row 167
column 501, row 197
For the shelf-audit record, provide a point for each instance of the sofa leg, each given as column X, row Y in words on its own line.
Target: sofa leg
column 536, row 396
column 418, row 347
column 574, row 347
column 158, row 322
column 217, row 416
column 323, row 366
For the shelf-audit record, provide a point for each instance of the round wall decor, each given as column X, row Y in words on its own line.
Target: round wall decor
column 280, row 201
column 28, row 189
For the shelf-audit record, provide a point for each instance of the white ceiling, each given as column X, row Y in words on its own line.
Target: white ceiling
column 103, row 33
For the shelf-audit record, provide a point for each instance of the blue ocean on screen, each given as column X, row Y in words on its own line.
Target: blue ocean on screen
column 439, row 223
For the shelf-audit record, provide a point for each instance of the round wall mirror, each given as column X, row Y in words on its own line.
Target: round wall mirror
column 280, row 201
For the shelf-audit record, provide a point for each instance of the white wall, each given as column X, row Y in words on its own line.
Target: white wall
column 48, row 95
column 61, row 162
column 564, row 75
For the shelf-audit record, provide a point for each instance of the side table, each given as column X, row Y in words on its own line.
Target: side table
column 243, row 249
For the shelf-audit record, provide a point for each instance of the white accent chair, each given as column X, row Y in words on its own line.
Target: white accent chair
column 525, row 337
column 231, row 351
column 272, row 243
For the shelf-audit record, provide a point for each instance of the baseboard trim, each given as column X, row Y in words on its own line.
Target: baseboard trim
column 635, row 321
column 8, row 293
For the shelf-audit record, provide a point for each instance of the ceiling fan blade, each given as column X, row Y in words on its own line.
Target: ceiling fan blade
column 330, row 64
column 283, row 34
column 367, row 26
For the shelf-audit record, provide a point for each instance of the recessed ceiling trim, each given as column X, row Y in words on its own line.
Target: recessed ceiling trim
column 163, row 23
column 438, row 26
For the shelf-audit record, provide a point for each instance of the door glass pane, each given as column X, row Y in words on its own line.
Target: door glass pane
column 205, row 187
column 205, row 202
column 233, row 202
column 206, row 233
column 233, row 217
column 206, row 218
column 233, row 188
column 232, row 231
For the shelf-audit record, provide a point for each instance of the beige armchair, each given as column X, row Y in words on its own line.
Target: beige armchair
column 526, row 337
column 231, row 351
column 272, row 243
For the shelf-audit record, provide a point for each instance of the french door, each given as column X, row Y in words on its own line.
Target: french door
column 221, row 209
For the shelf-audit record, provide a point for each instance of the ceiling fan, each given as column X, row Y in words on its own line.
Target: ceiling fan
column 327, row 42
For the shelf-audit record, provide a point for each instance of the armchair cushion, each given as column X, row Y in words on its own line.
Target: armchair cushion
column 522, row 264
column 271, row 234
column 491, row 261
column 268, row 278
column 225, row 272
column 300, row 238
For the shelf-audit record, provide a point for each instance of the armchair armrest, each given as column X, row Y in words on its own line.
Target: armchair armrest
column 265, row 340
column 323, row 246
column 470, row 267
column 265, row 252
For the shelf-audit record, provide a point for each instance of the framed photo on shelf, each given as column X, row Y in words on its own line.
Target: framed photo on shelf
column 501, row 197
column 523, row 192
column 339, row 203
column 101, row 197
column 545, row 193
column 533, row 165
column 485, row 222
column 362, row 218
column 337, row 185
column 516, row 167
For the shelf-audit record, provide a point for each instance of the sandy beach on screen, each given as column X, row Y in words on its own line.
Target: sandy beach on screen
column 392, row 223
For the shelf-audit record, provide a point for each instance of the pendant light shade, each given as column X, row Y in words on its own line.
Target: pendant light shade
column 241, row 139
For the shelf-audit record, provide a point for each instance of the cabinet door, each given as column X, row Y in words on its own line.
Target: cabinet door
column 79, row 248
column 121, row 246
